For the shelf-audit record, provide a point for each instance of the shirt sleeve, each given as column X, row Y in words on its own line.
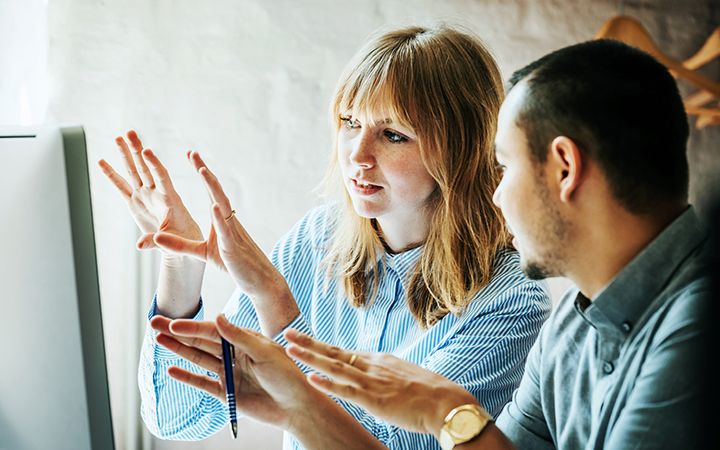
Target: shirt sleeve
column 175, row 411
column 522, row 420
column 170, row 409
column 486, row 356
column 665, row 407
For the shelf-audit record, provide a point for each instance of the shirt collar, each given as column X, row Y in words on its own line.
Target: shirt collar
column 402, row 263
column 621, row 304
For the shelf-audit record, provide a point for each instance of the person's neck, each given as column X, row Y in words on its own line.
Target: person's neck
column 402, row 235
column 610, row 243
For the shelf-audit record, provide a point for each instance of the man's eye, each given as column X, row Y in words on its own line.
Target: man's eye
column 394, row 137
column 349, row 123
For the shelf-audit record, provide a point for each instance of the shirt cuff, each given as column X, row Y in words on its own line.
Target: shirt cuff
column 299, row 324
column 160, row 352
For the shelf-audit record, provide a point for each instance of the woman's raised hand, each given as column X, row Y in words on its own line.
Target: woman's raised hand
column 231, row 248
column 153, row 201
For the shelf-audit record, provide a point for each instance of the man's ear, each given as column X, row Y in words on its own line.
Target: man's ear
column 566, row 165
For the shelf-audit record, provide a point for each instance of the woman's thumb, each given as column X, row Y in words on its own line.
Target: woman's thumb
column 145, row 242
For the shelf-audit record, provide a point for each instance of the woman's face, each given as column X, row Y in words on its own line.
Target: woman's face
column 382, row 170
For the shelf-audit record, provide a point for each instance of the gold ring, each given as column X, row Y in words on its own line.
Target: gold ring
column 232, row 213
column 353, row 358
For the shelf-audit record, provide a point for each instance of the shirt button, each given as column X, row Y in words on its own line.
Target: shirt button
column 626, row 327
column 608, row 367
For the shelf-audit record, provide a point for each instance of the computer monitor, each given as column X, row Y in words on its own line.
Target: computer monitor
column 53, row 376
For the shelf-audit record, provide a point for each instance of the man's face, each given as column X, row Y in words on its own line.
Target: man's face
column 525, row 196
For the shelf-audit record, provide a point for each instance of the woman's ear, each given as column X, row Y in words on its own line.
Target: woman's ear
column 566, row 166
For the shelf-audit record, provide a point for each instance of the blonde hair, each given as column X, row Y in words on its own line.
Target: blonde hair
column 446, row 86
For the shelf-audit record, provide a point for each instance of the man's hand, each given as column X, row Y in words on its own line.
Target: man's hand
column 396, row 390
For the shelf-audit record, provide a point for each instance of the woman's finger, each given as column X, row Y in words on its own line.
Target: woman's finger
column 221, row 223
column 146, row 242
column 335, row 368
column 208, row 346
column 161, row 324
column 204, row 382
column 129, row 163
column 212, row 183
column 216, row 190
column 137, row 146
column 180, row 245
column 207, row 341
column 115, row 178
column 160, row 173
column 303, row 342
column 245, row 340
column 194, row 355
column 195, row 328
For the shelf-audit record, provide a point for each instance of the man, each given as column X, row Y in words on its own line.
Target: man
column 592, row 141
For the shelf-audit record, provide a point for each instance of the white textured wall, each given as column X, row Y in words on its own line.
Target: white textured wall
column 247, row 82
column 23, row 57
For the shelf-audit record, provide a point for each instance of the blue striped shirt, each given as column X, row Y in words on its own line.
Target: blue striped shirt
column 483, row 349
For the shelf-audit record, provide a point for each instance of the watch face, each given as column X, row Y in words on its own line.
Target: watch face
column 465, row 424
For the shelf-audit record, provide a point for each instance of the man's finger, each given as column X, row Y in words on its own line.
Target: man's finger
column 333, row 387
column 335, row 368
column 203, row 382
column 303, row 341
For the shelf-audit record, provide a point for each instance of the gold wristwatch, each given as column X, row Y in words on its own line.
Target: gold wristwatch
column 463, row 424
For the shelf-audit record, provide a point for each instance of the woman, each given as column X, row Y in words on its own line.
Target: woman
column 412, row 261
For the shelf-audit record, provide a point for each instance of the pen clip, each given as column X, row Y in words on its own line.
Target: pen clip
column 232, row 355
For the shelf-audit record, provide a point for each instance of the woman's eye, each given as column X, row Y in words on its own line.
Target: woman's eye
column 349, row 123
column 394, row 137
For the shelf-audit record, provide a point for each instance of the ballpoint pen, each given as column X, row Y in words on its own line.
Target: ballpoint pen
column 229, row 361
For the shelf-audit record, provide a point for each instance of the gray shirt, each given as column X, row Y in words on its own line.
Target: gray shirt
column 621, row 371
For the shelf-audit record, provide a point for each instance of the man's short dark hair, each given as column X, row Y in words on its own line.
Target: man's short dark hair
column 621, row 107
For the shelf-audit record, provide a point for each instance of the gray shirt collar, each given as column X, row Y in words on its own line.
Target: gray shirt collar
column 621, row 304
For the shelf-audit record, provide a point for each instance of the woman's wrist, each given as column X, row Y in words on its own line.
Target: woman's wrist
column 179, row 286
column 275, row 306
column 181, row 263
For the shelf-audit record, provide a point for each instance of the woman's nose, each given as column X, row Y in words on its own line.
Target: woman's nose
column 362, row 151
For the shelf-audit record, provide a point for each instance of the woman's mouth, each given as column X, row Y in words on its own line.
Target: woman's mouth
column 365, row 188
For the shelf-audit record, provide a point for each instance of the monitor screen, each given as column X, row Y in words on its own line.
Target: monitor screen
column 53, row 381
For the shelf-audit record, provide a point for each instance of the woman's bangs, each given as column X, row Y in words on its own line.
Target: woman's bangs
column 373, row 91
